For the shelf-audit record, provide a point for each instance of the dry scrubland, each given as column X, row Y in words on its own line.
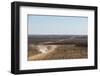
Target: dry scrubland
column 52, row 47
column 60, row 52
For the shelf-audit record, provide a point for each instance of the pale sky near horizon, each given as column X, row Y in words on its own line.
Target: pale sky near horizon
column 59, row 25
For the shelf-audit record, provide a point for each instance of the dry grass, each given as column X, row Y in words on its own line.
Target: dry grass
column 60, row 52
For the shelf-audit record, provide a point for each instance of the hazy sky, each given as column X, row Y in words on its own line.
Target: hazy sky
column 60, row 25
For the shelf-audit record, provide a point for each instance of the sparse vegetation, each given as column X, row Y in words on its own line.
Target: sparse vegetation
column 66, row 48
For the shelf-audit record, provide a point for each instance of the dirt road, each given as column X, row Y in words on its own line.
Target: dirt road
column 45, row 50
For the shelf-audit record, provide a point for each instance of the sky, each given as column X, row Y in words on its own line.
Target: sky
column 57, row 25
